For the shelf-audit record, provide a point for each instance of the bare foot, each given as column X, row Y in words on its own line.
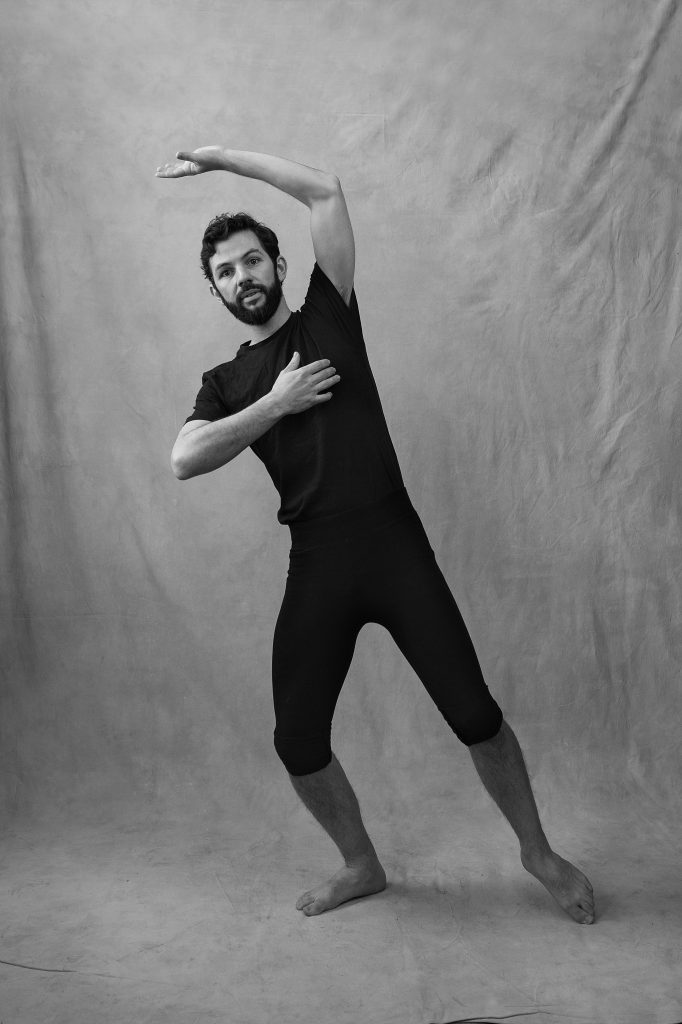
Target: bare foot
column 360, row 879
column 569, row 887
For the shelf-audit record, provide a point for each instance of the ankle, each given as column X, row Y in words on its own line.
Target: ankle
column 364, row 858
column 537, row 849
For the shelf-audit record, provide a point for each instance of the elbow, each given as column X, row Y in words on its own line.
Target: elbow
column 325, row 187
column 180, row 466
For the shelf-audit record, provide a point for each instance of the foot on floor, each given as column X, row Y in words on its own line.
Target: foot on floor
column 351, row 882
column 569, row 886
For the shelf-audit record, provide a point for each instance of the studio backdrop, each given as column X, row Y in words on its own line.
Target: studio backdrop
column 512, row 171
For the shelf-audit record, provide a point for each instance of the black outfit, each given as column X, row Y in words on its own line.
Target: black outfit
column 359, row 552
column 337, row 455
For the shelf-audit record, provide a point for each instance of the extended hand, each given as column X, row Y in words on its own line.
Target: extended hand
column 299, row 388
column 198, row 161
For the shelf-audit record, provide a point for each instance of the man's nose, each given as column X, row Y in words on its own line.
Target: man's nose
column 243, row 277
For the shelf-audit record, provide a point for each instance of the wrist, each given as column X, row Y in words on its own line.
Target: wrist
column 231, row 160
column 224, row 159
column 271, row 405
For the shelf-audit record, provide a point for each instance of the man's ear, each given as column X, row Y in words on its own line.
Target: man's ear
column 281, row 268
column 213, row 291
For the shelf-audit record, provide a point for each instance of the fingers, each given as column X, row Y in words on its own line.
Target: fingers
column 319, row 364
column 322, row 376
column 329, row 371
column 177, row 169
column 312, row 370
column 328, row 381
column 307, row 385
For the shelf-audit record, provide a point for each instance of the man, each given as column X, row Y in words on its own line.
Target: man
column 301, row 393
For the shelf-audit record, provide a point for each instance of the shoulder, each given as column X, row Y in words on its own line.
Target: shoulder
column 319, row 279
column 322, row 293
column 217, row 373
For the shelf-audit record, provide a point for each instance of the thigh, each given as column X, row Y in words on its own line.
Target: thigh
column 313, row 647
column 421, row 614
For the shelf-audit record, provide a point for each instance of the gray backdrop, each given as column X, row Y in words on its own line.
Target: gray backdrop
column 512, row 171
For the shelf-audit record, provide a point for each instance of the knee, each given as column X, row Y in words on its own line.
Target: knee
column 476, row 725
column 303, row 755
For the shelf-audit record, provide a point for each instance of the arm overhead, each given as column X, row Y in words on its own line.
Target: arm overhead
column 202, row 445
column 330, row 226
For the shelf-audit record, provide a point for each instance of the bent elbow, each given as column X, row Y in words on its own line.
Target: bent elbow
column 180, row 467
column 326, row 187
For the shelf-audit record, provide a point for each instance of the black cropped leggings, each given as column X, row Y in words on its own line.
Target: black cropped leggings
column 373, row 564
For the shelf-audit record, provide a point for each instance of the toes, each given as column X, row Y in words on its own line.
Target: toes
column 585, row 913
column 305, row 900
column 313, row 909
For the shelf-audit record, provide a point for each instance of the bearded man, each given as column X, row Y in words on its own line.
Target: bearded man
column 301, row 394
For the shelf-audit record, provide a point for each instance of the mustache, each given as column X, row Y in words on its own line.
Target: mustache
column 245, row 289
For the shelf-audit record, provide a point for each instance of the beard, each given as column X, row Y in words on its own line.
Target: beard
column 259, row 314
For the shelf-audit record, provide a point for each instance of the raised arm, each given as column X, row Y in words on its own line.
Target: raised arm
column 330, row 226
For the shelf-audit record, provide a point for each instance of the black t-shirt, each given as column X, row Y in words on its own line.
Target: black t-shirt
column 335, row 456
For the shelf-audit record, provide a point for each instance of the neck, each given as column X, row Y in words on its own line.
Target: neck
column 259, row 332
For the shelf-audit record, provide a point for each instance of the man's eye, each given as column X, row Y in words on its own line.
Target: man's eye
column 254, row 259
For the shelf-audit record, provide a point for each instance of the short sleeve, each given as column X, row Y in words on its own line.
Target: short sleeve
column 208, row 405
column 324, row 301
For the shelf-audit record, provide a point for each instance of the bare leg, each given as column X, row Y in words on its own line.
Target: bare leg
column 330, row 799
column 499, row 762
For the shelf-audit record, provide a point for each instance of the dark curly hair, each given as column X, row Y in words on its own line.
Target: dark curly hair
column 226, row 224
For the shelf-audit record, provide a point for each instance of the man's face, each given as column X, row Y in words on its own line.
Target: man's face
column 245, row 278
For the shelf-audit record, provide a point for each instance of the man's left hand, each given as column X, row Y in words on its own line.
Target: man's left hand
column 198, row 161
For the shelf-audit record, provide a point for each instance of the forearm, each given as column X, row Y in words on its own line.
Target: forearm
column 212, row 445
column 306, row 184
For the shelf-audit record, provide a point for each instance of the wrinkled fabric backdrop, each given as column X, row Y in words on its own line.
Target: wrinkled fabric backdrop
column 512, row 171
